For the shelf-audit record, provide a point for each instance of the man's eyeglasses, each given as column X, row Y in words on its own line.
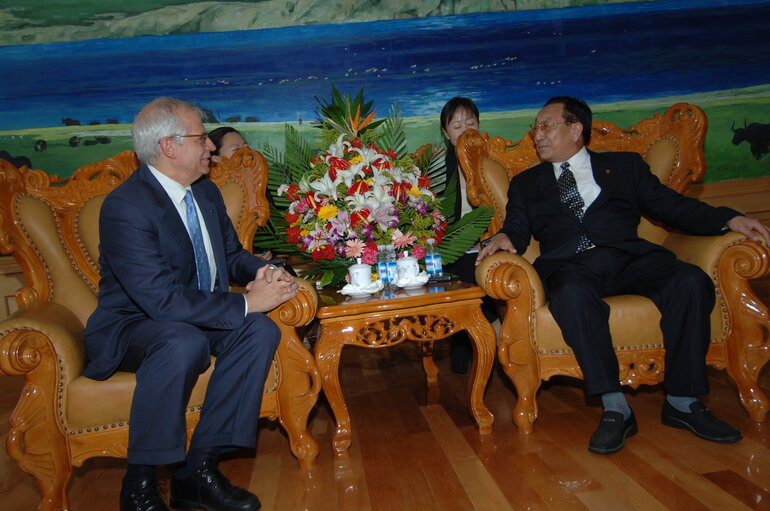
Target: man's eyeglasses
column 199, row 137
column 545, row 126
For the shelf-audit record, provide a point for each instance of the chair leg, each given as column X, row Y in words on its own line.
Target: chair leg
column 745, row 370
column 44, row 454
column 297, row 395
column 520, row 363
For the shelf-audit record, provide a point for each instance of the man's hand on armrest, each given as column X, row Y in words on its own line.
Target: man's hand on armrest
column 751, row 228
column 270, row 288
column 494, row 244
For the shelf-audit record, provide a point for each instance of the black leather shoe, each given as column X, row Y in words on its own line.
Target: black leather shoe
column 612, row 432
column 142, row 496
column 700, row 421
column 208, row 489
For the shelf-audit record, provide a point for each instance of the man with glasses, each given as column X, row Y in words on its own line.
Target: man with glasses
column 584, row 209
column 168, row 252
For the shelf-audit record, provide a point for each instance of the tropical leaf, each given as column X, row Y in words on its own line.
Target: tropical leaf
column 393, row 136
column 273, row 234
column 449, row 197
column 297, row 154
column 461, row 235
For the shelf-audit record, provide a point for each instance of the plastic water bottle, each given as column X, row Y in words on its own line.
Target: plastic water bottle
column 382, row 264
column 390, row 260
column 433, row 260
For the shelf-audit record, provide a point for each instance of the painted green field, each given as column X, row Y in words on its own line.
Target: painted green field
column 726, row 161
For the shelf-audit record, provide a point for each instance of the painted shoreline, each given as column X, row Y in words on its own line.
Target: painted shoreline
column 723, row 108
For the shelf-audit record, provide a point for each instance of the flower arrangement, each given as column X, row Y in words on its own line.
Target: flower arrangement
column 360, row 189
column 358, row 196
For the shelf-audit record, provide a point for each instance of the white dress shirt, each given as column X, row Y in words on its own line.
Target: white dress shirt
column 580, row 165
column 176, row 193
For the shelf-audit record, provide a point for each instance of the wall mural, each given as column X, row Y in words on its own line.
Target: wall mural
column 66, row 104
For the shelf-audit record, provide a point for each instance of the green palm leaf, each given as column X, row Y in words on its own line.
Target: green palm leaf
column 461, row 235
column 393, row 136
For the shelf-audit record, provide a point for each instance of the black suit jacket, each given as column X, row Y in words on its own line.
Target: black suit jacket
column 628, row 191
column 148, row 267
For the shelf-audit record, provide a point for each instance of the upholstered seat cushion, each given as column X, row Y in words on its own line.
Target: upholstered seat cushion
column 114, row 397
column 632, row 318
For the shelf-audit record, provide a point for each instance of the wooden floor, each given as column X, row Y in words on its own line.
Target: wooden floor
column 415, row 448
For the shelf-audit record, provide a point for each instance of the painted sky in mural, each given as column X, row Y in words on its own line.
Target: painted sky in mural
column 506, row 61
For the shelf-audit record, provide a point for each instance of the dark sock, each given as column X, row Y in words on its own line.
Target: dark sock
column 136, row 473
column 195, row 458
column 616, row 402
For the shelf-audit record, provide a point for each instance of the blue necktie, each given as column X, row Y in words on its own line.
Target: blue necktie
column 569, row 195
column 196, row 236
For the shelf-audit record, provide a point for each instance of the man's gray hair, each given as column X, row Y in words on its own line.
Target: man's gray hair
column 157, row 120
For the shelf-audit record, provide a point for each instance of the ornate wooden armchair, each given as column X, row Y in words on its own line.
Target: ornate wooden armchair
column 531, row 346
column 50, row 226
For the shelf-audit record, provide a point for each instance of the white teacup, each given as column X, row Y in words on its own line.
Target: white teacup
column 360, row 275
column 407, row 267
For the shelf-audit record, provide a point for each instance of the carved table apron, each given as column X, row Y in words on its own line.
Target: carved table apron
column 422, row 315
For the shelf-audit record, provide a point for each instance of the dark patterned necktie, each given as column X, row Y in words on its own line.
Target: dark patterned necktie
column 569, row 195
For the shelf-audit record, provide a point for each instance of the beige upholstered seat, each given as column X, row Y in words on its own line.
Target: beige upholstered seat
column 51, row 227
column 531, row 346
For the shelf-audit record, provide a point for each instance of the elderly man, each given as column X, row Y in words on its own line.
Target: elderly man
column 584, row 208
column 167, row 254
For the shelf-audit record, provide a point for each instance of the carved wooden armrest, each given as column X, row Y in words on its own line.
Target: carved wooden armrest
column 298, row 312
column 44, row 330
column 506, row 276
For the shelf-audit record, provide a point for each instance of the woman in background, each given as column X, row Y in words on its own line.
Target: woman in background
column 458, row 116
column 227, row 140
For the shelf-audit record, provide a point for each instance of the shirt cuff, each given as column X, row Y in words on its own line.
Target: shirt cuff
column 245, row 306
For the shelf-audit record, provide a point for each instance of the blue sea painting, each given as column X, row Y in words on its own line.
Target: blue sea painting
column 504, row 61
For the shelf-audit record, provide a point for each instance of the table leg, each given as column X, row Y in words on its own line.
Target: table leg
column 484, row 347
column 327, row 357
column 431, row 370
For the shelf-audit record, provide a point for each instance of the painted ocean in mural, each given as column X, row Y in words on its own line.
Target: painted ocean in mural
column 505, row 61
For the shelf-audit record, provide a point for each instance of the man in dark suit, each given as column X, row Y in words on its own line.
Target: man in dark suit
column 167, row 254
column 584, row 209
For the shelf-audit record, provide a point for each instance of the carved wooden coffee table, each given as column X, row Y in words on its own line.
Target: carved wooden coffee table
column 422, row 315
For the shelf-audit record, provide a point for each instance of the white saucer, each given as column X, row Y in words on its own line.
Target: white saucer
column 414, row 285
column 357, row 294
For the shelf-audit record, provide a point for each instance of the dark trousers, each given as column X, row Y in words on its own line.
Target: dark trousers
column 683, row 293
column 168, row 357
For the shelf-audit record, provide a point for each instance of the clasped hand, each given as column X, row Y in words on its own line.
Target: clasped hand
column 270, row 288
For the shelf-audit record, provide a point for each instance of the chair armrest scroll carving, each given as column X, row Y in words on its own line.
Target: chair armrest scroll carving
column 54, row 324
column 504, row 276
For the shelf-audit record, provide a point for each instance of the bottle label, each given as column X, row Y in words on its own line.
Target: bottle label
column 392, row 271
column 433, row 264
column 382, row 271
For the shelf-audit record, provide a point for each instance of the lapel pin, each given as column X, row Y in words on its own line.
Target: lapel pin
column 607, row 171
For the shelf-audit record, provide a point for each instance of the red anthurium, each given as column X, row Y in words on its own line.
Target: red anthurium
column 313, row 201
column 391, row 154
column 399, row 191
column 423, row 182
column 358, row 217
column 291, row 218
column 356, row 142
column 359, row 187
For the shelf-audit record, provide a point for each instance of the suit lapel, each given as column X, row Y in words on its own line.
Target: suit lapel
column 168, row 212
column 604, row 177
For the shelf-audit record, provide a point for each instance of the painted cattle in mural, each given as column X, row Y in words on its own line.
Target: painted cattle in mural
column 756, row 134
